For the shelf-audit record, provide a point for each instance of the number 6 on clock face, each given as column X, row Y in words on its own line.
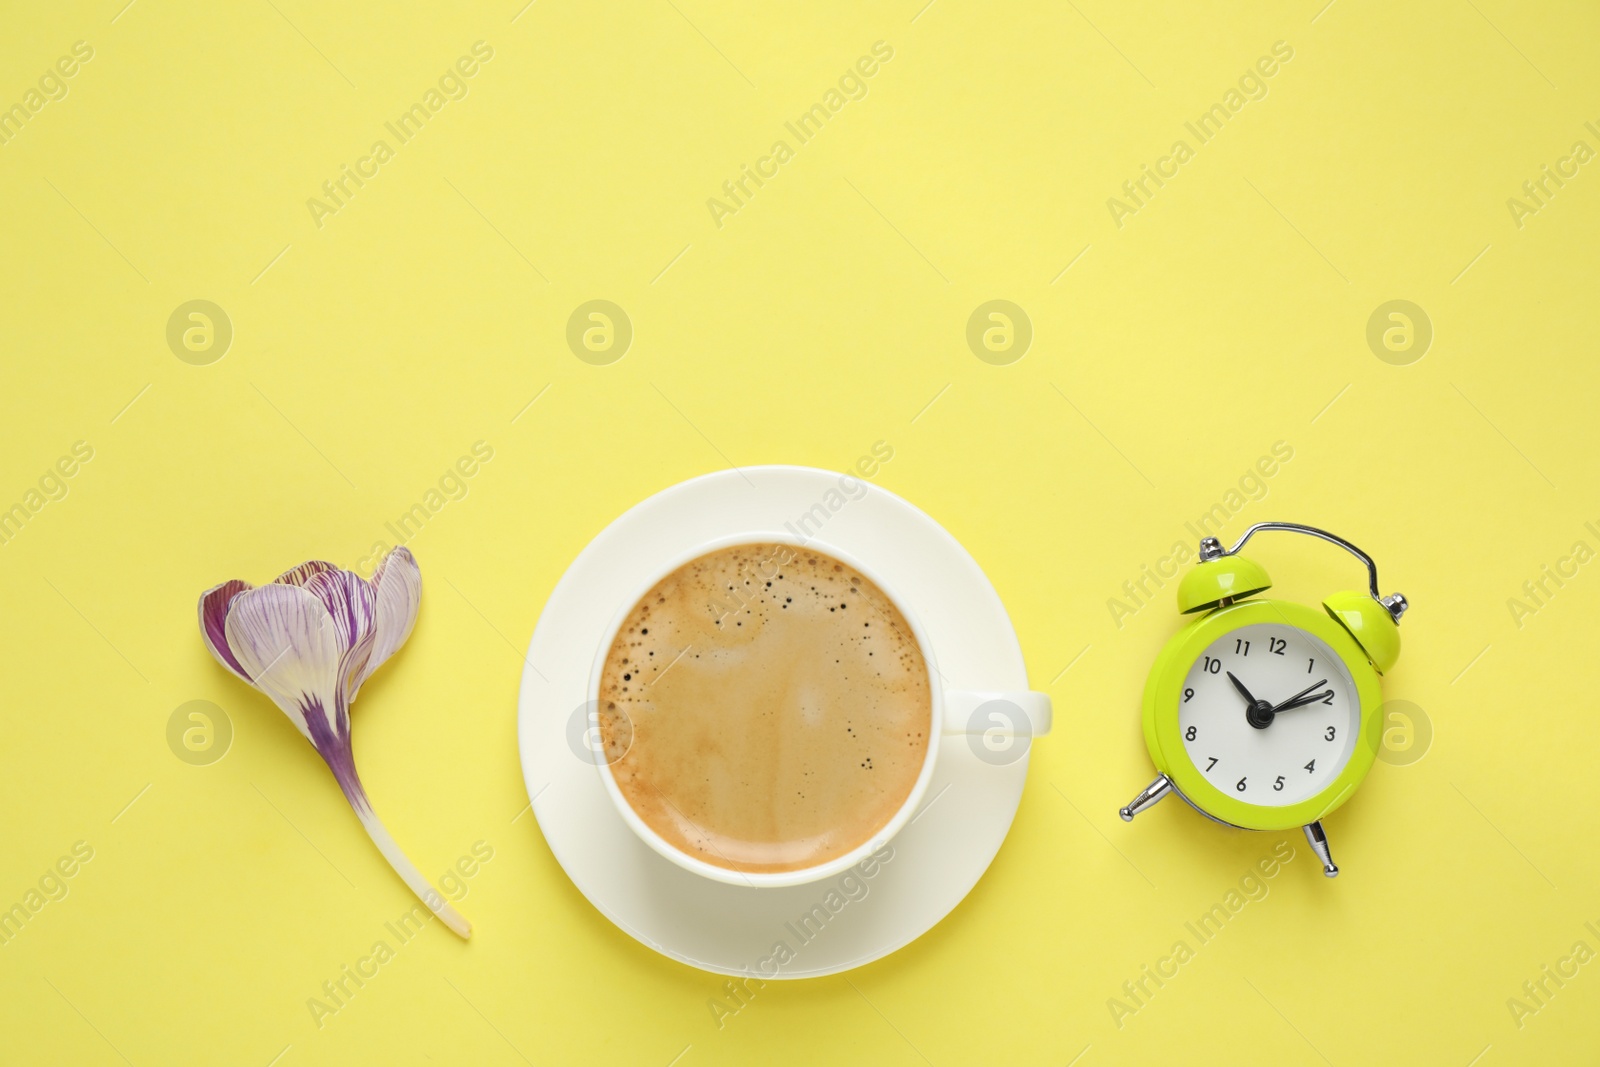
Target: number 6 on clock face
column 1277, row 757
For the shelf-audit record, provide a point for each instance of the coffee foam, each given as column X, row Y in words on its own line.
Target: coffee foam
column 765, row 708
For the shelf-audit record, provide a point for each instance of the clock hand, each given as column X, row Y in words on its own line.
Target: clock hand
column 1301, row 702
column 1248, row 699
column 1298, row 695
column 1257, row 713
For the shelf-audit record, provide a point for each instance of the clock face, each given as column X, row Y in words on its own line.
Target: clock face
column 1261, row 756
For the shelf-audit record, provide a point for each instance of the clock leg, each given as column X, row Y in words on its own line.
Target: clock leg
column 1319, row 844
column 1147, row 797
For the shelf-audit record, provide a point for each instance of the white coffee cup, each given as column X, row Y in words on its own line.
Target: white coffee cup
column 1003, row 720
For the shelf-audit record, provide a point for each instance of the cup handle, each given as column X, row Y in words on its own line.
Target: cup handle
column 996, row 713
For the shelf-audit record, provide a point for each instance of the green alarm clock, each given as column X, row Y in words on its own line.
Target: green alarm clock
column 1264, row 714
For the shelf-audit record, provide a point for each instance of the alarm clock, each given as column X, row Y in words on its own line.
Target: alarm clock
column 1264, row 714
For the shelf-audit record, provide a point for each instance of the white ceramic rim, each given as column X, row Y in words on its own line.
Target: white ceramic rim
column 839, row 864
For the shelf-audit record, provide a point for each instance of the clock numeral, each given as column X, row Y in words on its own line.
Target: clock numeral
column 1188, row 695
column 1212, row 764
column 1311, row 665
column 1326, row 737
column 1212, row 666
column 1278, row 785
column 1328, row 698
column 1241, row 647
column 1276, row 645
column 1190, row 733
column 1311, row 767
column 1238, row 786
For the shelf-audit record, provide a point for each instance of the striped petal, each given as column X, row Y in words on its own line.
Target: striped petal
column 397, row 588
column 213, row 616
column 349, row 601
column 286, row 641
column 303, row 573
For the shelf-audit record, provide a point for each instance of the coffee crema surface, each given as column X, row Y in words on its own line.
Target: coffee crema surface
column 765, row 708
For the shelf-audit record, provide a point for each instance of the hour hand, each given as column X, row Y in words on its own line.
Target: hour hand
column 1242, row 690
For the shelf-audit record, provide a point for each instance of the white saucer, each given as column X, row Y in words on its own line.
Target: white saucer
column 731, row 929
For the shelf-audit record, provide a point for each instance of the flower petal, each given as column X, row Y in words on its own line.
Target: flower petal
column 301, row 574
column 213, row 615
column 349, row 601
column 285, row 640
column 397, row 585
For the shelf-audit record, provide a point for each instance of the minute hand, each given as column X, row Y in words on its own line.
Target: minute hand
column 1291, row 702
column 1314, row 698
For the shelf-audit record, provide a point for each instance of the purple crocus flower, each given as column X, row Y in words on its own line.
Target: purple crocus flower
column 308, row 641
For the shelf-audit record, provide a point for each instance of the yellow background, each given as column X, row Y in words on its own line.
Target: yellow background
column 1229, row 313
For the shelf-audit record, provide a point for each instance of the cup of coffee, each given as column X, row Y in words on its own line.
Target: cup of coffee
column 769, row 712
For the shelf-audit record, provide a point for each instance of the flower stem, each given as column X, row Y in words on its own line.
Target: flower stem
column 408, row 871
column 336, row 752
